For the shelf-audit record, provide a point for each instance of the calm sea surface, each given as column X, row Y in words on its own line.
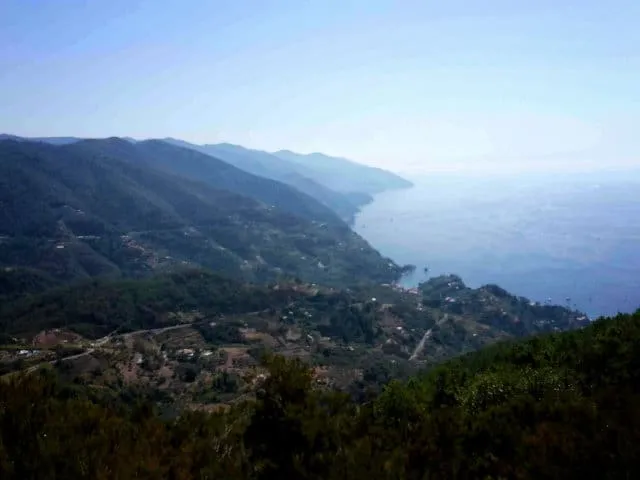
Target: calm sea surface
column 571, row 241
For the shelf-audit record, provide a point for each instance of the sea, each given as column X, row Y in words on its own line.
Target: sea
column 568, row 239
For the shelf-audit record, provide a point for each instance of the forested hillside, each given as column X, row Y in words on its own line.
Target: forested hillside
column 176, row 332
column 113, row 208
column 210, row 171
column 342, row 174
column 271, row 166
column 346, row 187
column 564, row 405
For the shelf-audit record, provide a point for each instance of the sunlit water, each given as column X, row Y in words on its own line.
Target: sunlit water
column 574, row 241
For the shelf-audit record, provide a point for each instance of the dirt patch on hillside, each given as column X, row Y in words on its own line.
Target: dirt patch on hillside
column 51, row 338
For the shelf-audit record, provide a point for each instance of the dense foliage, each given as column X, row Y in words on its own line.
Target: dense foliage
column 97, row 307
column 18, row 282
column 366, row 315
column 268, row 165
column 557, row 406
column 114, row 208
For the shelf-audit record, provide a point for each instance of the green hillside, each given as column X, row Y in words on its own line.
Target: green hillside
column 359, row 338
column 211, row 171
column 342, row 174
column 563, row 405
column 339, row 184
column 18, row 282
column 111, row 208
column 271, row 166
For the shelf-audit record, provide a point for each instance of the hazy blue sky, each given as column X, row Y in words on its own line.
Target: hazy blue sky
column 411, row 85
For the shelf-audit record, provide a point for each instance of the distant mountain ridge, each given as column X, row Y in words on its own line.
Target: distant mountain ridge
column 345, row 175
column 269, row 166
column 339, row 184
column 214, row 172
column 354, row 177
column 50, row 140
column 114, row 208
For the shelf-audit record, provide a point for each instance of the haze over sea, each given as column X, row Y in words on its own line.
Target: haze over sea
column 564, row 239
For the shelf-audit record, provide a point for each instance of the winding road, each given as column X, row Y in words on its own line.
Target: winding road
column 101, row 341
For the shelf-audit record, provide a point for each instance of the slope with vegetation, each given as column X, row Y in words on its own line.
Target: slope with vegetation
column 564, row 405
column 206, row 169
column 352, row 190
column 114, row 208
column 271, row 166
column 152, row 331
column 342, row 174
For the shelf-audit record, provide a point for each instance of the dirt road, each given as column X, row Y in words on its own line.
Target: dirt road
column 425, row 337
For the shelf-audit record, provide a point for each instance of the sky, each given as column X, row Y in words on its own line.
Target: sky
column 413, row 86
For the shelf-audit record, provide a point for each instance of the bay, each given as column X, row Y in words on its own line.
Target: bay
column 572, row 240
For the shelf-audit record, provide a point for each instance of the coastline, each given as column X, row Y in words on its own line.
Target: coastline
column 371, row 198
column 556, row 241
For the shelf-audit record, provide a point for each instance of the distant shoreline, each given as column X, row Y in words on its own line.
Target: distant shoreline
column 566, row 239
